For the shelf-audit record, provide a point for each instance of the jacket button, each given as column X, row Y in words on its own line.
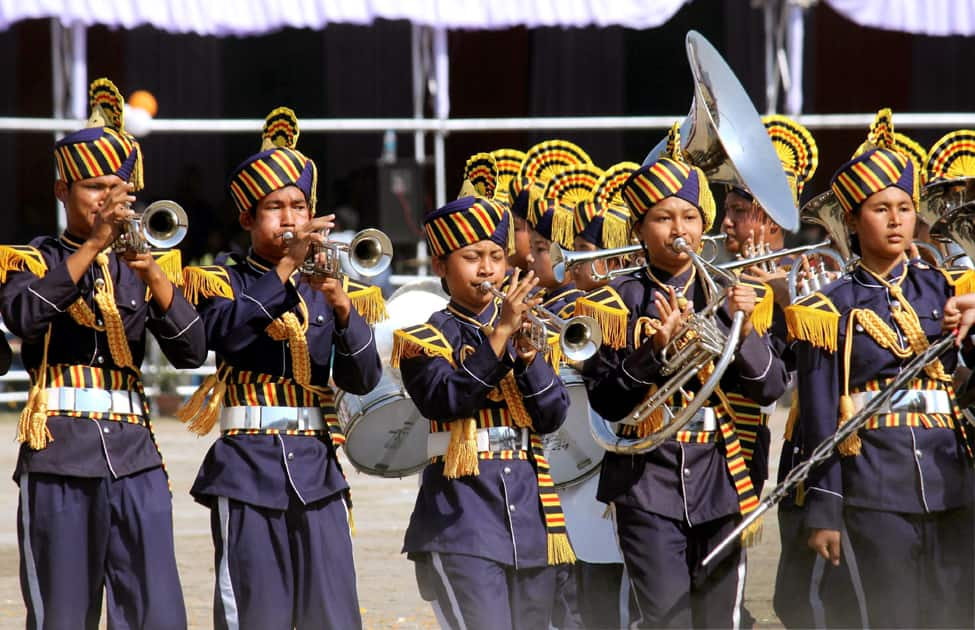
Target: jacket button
column 99, row 322
column 859, row 328
column 507, row 470
column 512, row 507
column 132, row 303
column 106, row 430
column 100, row 359
column 935, row 313
column 918, row 454
column 320, row 319
column 291, row 456
column 687, row 472
column 894, row 304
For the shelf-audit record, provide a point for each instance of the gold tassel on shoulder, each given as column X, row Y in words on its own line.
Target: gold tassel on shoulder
column 206, row 282
column 762, row 315
column 814, row 320
column 32, row 427
column 19, row 258
column 368, row 301
column 461, row 457
column 560, row 549
column 612, row 318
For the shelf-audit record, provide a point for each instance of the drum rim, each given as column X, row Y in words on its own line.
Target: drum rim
column 398, row 473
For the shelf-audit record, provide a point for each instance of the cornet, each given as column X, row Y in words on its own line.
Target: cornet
column 579, row 336
column 161, row 226
column 370, row 253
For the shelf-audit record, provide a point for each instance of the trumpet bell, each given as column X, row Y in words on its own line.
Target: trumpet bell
column 370, row 252
column 580, row 338
column 724, row 136
column 164, row 224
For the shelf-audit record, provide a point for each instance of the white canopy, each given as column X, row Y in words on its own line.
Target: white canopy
column 923, row 17
column 251, row 17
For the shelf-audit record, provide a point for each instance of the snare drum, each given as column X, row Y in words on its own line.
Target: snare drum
column 385, row 435
column 572, row 454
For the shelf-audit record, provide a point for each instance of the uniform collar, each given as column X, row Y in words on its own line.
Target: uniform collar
column 560, row 292
column 866, row 278
column 659, row 276
column 486, row 317
column 69, row 241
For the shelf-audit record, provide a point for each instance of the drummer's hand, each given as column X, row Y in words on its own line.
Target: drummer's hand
column 826, row 542
column 671, row 317
column 336, row 297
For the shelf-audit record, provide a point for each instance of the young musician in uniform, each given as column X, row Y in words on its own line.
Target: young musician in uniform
column 277, row 496
column 487, row 526
column 95, row 513
column 902, row 485
column 674, row 503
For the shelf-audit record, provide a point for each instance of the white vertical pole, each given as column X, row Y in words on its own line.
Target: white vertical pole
column 57, row 94
column 771, row 80
column 794, row 43
column 79, row 72
column 419, row 90
column 442, row 101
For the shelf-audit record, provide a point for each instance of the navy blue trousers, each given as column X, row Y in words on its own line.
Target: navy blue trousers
column 473, row 593
column 591, row 595
column 663, row 558
column 79, row 536
column 916, row 569
column 809, row 591
column 283, row 569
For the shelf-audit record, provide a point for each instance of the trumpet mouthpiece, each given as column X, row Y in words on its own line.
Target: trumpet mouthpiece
column 287, row 236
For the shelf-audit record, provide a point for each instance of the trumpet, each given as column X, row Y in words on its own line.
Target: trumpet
column 579, row 336
column 161, row 226
column 370, row 253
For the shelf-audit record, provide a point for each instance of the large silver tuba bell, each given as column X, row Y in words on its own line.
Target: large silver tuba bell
column 162, row 225
column 724, row 136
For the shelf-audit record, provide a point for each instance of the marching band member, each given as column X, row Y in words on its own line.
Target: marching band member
column 487, row 524
column 275, row 490
column 675, row 502
column 95, row 507
column 901, row 486
column 598, row 594
column 948, row 170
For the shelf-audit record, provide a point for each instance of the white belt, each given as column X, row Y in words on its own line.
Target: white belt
column 93, row 400
column 278, row 418
column 908, row 401
column 704, row 420
column 492, row 439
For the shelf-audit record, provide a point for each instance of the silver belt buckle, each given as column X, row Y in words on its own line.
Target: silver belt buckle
column 504, row 439
column 280, row 419
column 699, row 422
column 908, row 401
column 92, row 400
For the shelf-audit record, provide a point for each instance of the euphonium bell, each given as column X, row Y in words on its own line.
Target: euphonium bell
column 162, row 225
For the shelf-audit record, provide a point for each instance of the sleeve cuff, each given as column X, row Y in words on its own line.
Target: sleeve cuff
column 180, row 317
column 642, row 366
column 824, row 509
column 484, row 366
column 55, row 289
column 354, row 338
column 754, row 358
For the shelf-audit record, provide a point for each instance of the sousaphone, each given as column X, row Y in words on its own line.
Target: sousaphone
column 724, row 136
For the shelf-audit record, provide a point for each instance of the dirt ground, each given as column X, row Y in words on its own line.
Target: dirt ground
column 387, row 589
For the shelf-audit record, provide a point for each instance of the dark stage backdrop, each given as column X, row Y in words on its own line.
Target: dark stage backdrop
column 353, row 71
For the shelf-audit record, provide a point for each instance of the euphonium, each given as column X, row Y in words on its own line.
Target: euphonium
column 370, row 253
column 160, row 226
column 579, row 336
column 698, row 343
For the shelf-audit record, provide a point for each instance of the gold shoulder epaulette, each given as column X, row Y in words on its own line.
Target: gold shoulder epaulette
column 963, row 280
column 814, row 319
column 19, row 258
column 171, row 263
column 606, row 306
column 367, row 300
column 206, row 282
column 764, row 305
column 416, row 340
column 554, row 354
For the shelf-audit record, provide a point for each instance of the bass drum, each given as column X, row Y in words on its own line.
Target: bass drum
column 572, row 454
column 385, row 434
